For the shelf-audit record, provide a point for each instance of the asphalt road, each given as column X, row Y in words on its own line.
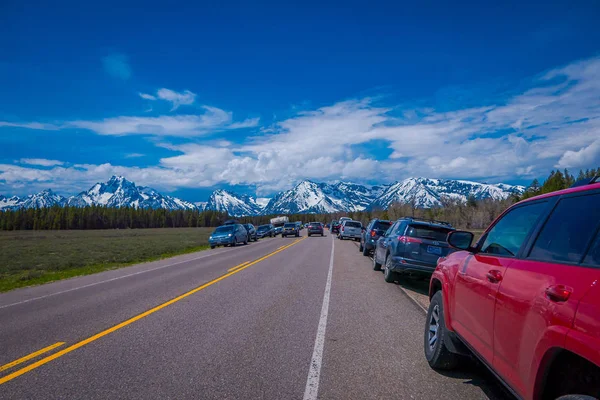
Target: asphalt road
column 303, row 318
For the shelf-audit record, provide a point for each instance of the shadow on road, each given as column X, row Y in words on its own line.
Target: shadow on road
column 476, row 374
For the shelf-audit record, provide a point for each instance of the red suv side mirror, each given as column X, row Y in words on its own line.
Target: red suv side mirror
column 461, row 240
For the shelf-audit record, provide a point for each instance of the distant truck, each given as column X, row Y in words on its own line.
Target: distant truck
column 278, row 223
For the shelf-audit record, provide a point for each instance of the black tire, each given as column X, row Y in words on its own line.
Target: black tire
column 376, row 265
column 365, row 251
column 436, row 352
column 233, row 244
column 360, row 246
column 212, row 247
column 246, row 241
column 309, row 235
column 297, row 235
column 388, row 275
column 322, row 234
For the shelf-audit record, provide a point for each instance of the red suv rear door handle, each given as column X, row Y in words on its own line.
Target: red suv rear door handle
column 558, row 293
column 494, row 276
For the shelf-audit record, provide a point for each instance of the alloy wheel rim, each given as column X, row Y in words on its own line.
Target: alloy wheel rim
column 434, row 325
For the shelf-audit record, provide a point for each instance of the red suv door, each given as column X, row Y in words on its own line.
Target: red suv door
column 478, row 280
column 540, row 291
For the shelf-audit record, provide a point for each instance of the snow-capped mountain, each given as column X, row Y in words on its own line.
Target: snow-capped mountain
column 119, row 192
column 45, row 198
column 234, row 204
column 428, row 193
column 306, row 197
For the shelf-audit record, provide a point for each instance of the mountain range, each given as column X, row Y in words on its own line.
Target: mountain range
column 306, row 197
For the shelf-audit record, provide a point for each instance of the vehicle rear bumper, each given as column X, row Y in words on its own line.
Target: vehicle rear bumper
column 350, row 235
column 401, row 264
column 316, row 231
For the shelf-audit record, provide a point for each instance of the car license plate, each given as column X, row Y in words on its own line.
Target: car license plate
column 434, row 250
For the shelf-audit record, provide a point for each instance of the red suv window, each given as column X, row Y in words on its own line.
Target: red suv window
column 507, row 236
column 569, row 230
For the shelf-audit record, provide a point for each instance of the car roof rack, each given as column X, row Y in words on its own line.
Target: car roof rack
column 433, row 221
column 586, row 181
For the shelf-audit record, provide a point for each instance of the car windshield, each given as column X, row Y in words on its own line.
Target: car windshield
column 428, row 232
column 224, row 229
column 263, row 228
column 352, row 224
column 289, row 226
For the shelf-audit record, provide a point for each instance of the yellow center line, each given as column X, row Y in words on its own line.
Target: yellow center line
column 238, row 266
column 136, row 318
column 30, row 356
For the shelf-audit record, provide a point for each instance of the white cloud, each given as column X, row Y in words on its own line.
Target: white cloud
column 30, row 125
column 146, row 96
column 40, row 161
column 177, row 99
column 584, row 157
column 212, row 120
column 134, row 155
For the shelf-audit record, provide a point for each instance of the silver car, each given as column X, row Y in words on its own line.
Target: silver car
column 350, row 230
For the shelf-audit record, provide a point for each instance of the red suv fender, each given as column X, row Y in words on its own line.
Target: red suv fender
column 439, row 281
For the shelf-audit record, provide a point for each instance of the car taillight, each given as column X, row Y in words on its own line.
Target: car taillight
column 373, row 233
column 408, row 239
column 342, row 229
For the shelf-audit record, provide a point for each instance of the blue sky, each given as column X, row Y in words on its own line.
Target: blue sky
column 189, row 97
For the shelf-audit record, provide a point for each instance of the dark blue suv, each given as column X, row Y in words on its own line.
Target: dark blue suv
column 412, row 246
column 371, row 234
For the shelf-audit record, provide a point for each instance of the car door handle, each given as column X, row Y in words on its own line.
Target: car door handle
column 558, row 293
column 494, row 276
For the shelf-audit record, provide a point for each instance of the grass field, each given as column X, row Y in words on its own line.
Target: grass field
column 34, row 257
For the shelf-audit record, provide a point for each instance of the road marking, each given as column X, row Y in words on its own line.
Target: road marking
column 113, row 279
column 30, row 356
column 241, row 265
column 134, row 319
column 314, row 372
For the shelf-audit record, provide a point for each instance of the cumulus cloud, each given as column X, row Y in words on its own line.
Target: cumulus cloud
column 117, row 65
column 584, row 157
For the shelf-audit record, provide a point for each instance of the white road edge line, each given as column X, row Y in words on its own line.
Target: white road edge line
column 312, row 382
column 110, row 280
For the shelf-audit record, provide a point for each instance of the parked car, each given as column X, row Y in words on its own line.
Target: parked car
column 277, row 230
column 412, row 246
column 335, row 227
column 350, row 230
column 342, row 219
column 251, row 232
column 371, row 234
column 525, row 298
column 265, row 230
column 315, row 228
column 228, row 235
column 290, row 229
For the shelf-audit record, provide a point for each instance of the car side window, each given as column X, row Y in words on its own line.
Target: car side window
column 507, row 235
column 569, row 229
column 400, row 228
column 390, row 230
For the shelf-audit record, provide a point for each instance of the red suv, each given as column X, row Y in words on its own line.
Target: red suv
column 526, row 298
